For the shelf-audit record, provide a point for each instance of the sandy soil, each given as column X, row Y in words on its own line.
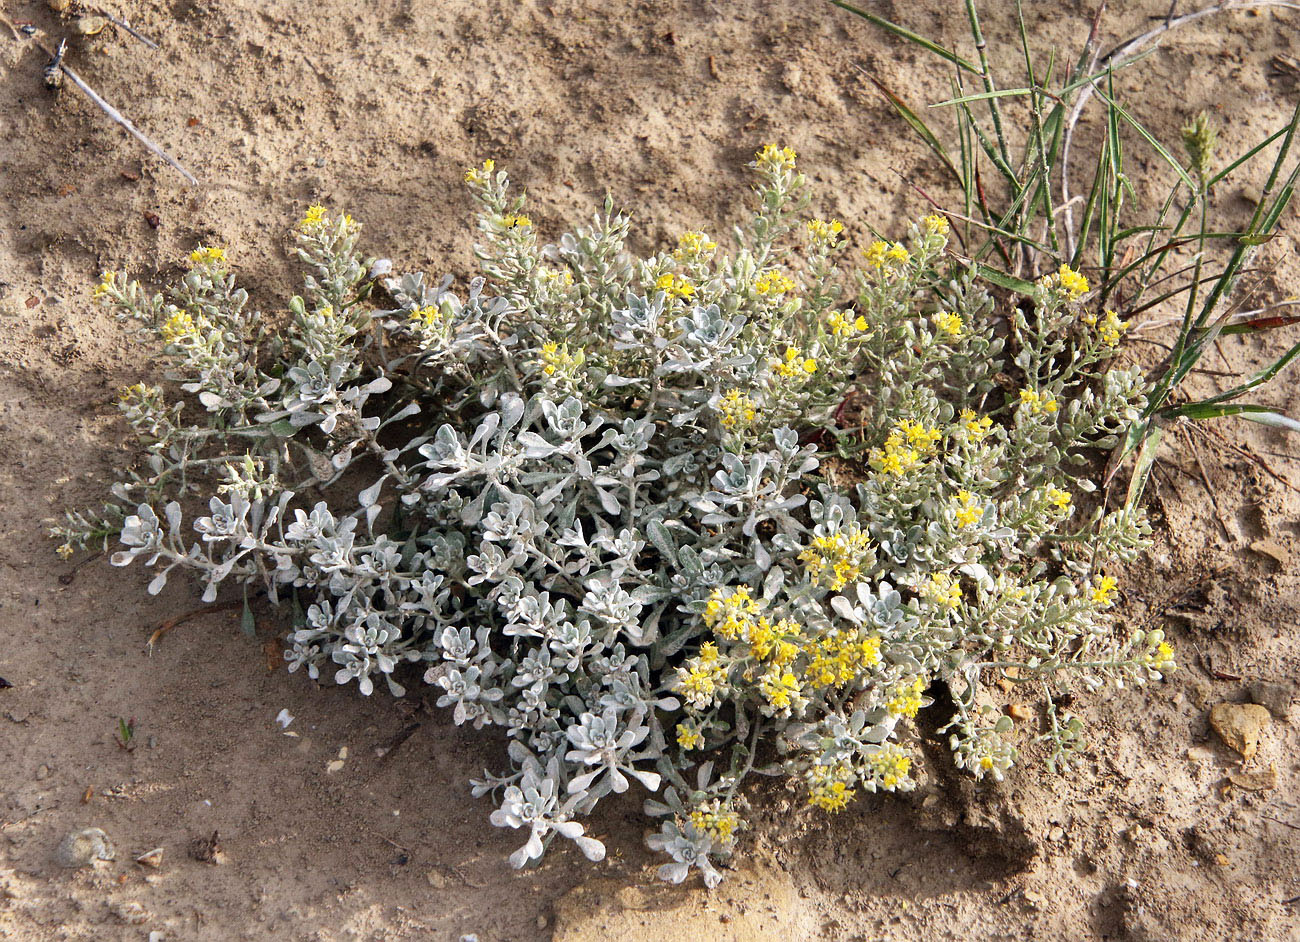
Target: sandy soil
column 377, row 108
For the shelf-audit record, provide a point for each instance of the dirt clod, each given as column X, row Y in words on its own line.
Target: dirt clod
column 83, row 847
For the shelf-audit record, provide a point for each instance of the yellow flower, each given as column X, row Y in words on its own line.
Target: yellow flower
column 934, row 224
column 898, row 255
column 710, row 818
column 179, row 326
column 65, row 551
column 555, row 276
column 738, row 411
column 844, row 324
column 478, row 175
column 314, row 219
column 207, row 256
column 975, row 427
column 838, row 559
column 875, row 253
column 426, row 318
column 884, row 254
column 830, row 787
column 949, row 323
column 1058, row 498
column 890, row 765
column 966, row 512
column 780, row 688
column 1103, row 590
column 794, row 364
column 1038, row 402
column 675, row 286
column 822, row 232
column 1110, row 329
column 556, row 359
column 692, row 246
column 731, row 613
column 775, row 159
column 689, row 736
column 941, row 589
column 105, row 286
column 699, row 683
column 906, row 700
column 1067, row 281
column 773, row 283
column 514, row 221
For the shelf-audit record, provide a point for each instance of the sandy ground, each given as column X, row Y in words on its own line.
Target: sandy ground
column 377, row 108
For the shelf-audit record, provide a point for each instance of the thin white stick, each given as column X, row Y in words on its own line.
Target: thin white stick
column 121, row 119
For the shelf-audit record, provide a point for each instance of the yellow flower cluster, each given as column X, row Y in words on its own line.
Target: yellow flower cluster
column 314, row 220
column 514, row 221
column 675, row 286
column 1160, row 654
column 822, row 232
column 65, row 551
column 906, row 448
column 478, row 175
column 107, row 282
column 712, row 819
column 210, row 256
column 692, row 246
column 975, row 427
column 829, row 787
column 906, row 699
column 775, row 159
column 555, row 277
column 890, row 764
column 1103, row 590
column 844, row 324
column 1058, row 498
column 838, row 559
column 181, row 326
column 701, row 677
column 840, row 658
column 949, row 323
column 689, row 735
column 941, row 589
column 1067, row 281
column 730, row 614
column 883, row 254
column 934, row 224
column 556, row 358
column 966, row 511
column 773, row 283
column 781, row 689
column 1037, row 402
column 794, row 364
column 769, row 642
column 426, row 318
column 1109, row 327
column 738, row 411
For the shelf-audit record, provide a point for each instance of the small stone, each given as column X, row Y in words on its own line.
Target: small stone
column 1200, row 754
column 42, row 773
column 58, row 6
column 1256, row 780
column 437, row 879
column 131, row 913
column 1239, row 726
column 1252, row 194
column 541, row 922
column 1056, row 834
column 90, row 25
column 1019, row 712
column 151, row 858
column 1221, row 860
column 1035, row 899
column 1274, row 551
column 1274, row 697
column 83, row 847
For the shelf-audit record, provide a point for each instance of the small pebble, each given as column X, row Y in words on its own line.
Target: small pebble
column 90, row 25
column 132, row 913
column 1239, row 725
column 42, row 773
column 83, row 847
column 151, row 858
column 58, row 6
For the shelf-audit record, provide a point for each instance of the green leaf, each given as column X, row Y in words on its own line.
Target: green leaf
column 907, row 34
